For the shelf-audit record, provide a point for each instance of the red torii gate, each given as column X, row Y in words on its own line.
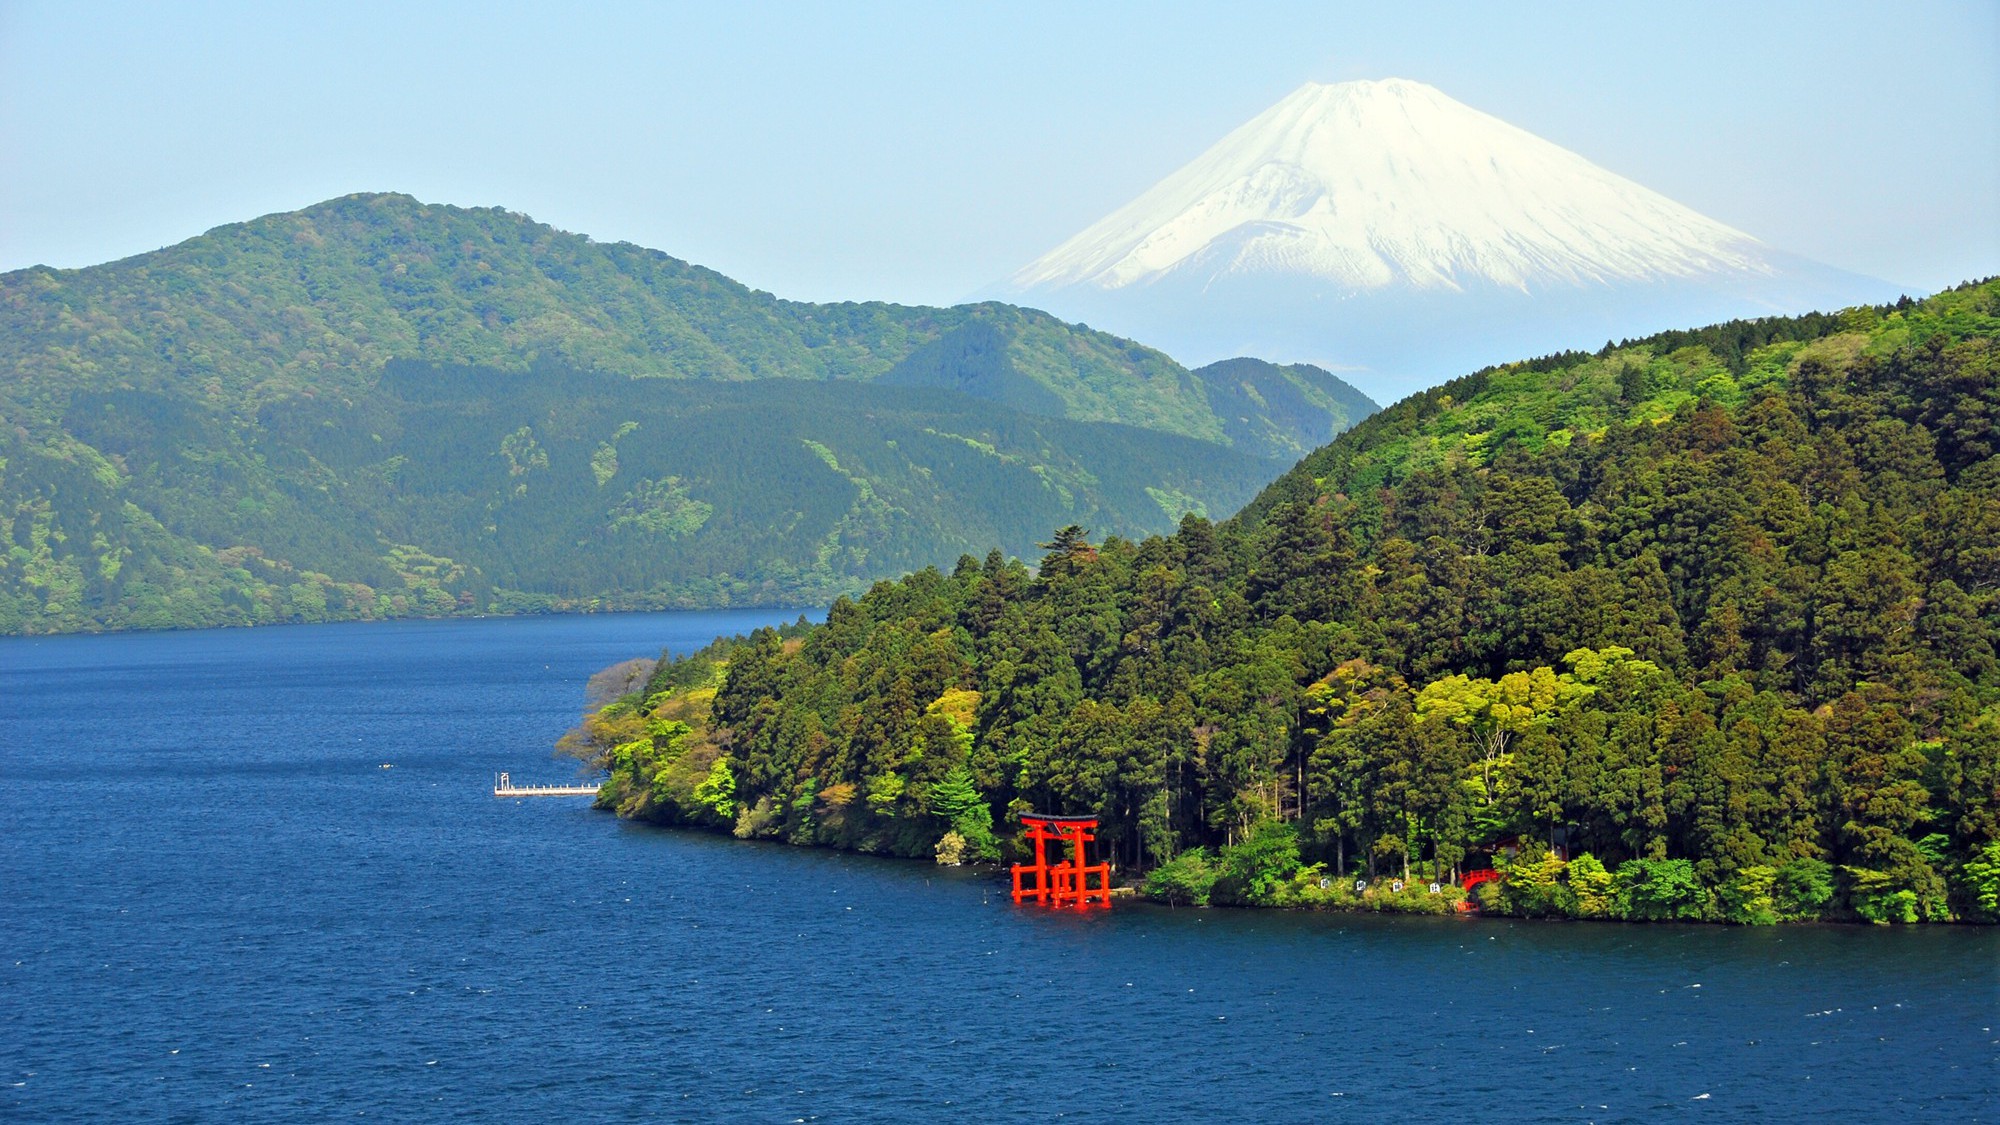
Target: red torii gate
column 1067, row 882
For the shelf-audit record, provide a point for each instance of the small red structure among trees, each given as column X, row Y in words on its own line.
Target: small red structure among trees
column 1471, row 880
column 1068, row 882
column 1474, row 878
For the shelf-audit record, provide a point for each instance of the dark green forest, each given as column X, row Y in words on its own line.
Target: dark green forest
column 374, row 407
column 1702, row 626
column 462, row 489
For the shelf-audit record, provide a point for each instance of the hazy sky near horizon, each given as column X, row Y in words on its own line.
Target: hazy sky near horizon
column 918, row 152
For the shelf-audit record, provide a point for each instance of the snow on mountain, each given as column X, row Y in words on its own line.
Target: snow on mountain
column 1386, row 229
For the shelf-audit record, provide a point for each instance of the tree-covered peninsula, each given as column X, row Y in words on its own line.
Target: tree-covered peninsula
column 1702, row 626
column 375, row 407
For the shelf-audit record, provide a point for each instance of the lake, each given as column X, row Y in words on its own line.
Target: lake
column 216, row 904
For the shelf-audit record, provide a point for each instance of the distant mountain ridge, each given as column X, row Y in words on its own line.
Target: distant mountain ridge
column 317, row 300
column 1386, row 227
column 375, row 407
column 1263, row 404
column 1257, row 405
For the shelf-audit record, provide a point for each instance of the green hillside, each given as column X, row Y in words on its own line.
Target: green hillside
column 295, row 419
column 319, row 299
column 1262, row 408
column 470, row 489
column 1282, row 411
column 1705, row 626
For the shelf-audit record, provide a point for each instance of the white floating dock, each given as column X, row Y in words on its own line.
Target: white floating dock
column 503, row 786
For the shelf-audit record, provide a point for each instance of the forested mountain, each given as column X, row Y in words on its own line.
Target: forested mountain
column 448, row 489
column 1701, row 626
column 318, row 300
column 243, row 428
column 1268, row 409
column 1283, row 410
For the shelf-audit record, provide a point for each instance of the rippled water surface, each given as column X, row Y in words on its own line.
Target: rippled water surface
column 215, row 904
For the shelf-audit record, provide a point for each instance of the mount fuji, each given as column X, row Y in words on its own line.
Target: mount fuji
column 1400, row 237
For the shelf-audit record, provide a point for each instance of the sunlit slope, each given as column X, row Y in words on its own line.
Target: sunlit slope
column 318, row 300
column 156, row 472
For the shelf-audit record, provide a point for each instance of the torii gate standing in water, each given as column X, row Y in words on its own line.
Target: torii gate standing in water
column 1069, row 882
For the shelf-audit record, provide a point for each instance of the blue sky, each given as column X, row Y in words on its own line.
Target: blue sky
column 916, row 152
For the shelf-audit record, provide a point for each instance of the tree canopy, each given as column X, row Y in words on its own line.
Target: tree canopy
column 1677, row 630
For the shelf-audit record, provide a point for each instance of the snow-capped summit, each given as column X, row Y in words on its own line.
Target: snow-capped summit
column 1385, row 226
column 1373, row 184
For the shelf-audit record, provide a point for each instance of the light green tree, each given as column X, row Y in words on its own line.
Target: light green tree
column 1591, row 886
column 1493, row 712
column 717, row 791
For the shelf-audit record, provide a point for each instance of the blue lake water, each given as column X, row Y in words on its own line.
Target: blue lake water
column 215, row 905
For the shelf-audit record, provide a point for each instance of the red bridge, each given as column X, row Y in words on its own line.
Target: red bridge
column 1471, row 880
column 1069, row 882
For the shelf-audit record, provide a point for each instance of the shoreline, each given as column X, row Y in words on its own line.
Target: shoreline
column 1131, row 891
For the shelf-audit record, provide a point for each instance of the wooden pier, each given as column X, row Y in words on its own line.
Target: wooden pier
column 503, row 786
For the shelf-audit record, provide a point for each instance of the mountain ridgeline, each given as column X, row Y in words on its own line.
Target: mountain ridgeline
column 1703, row 626
column 1277, row 411
column 375, row 407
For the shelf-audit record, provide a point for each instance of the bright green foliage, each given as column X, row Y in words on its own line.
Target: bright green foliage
column 1591, row 887
column 1252, row 871
column 1746, row 898
column 1726, row 648
column 884, row 790
column 1802, row 888
column 1981, row 878
column 1185, row 880
column 1415, row 897
column 717, row 791
column 1313, row 888
column 1493, row 712
column 1659, row 890
column 1536, row 886
column 1877, row 898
